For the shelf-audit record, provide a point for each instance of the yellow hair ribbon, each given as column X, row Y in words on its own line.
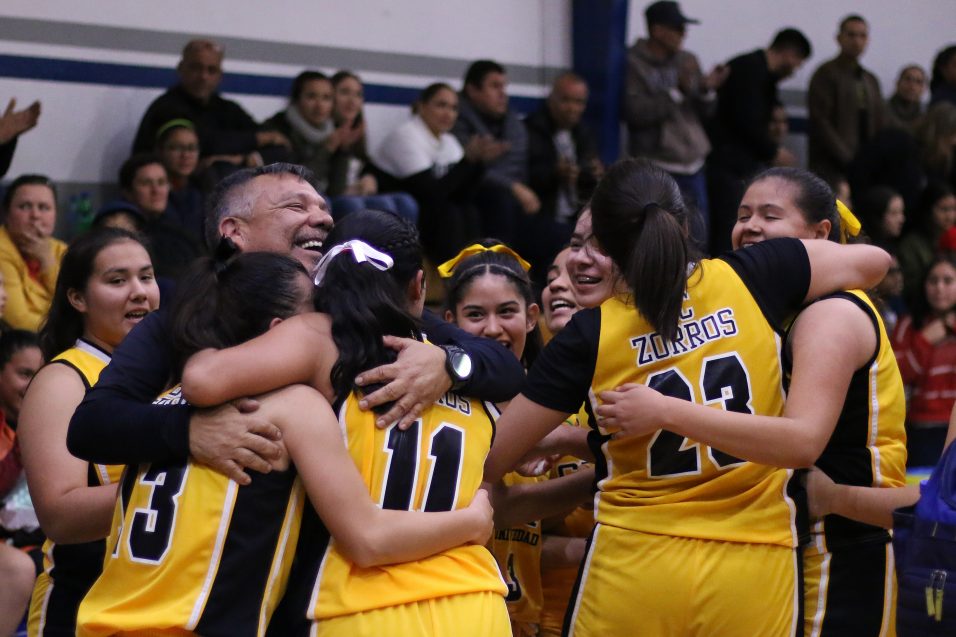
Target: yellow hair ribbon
column 849, row 225
column 446, row 269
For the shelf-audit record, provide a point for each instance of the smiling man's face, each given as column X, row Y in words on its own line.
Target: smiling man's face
column 287, row 216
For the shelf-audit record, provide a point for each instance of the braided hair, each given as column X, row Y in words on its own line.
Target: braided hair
column 363, row 302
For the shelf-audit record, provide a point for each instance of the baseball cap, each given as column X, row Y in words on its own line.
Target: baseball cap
column 667, row 13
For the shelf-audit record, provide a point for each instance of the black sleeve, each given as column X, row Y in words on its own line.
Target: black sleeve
column 424, row 184
column 6, row 155
column 561, row 376
column 117, row 423
column 496, row 374
column 743, row 103
column 777, row 273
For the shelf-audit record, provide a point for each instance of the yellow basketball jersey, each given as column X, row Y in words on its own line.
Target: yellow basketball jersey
column 69, row 569
column 435, row 465
column 191, row 551
column 517, row 550
column 727, row 356
column 868, row 444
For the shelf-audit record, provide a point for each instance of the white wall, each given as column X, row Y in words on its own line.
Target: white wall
column 86, row 129
column 900, row 32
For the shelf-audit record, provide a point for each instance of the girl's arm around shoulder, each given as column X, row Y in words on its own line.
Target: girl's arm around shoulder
column 366, row 534
column 296, row 350
column 69, row 511
column 836, row 267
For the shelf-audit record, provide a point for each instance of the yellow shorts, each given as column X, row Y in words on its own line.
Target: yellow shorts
column 637, row 583
column 470, row 615
column 849, row 591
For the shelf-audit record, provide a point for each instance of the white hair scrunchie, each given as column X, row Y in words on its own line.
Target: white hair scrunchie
column 361, row 252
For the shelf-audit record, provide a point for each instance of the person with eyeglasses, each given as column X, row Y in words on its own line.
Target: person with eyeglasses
column 177, row 146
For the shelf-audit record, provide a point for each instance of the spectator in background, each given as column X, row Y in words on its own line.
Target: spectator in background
column 29, row 255
column 740, row 132
column 352, row 181
column 667, row 98
column 563, row 169
column 925, row 346
column 226, row 131
column 882, row 213
column 144, row 183
column 935, row 215
column 942, row 86
column 423, row 158
column 120, row 214
column 905, row 107
column 177, row 145
column 844, row 102
column 504, row 197
column 307, row 123
column 14, row 123
column 907, row 162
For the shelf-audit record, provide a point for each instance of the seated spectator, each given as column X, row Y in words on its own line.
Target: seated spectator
column 935, row 215
column 120, row 214
column 925, row 346
column 352, row 182
column 307, row 123
column 427, row 161
column 889, row 297
column 942, row 86
column 906, row 162
column 226, row 131
column 143, row 182
column 504, row 197
column 29, row 255
column 563, row 168
column 905, row 107
column 13, row 123
column 177, row 145
column 882, row 213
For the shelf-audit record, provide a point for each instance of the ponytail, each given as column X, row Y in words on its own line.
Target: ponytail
column 364, row 301
column 640, row 221
column 230, row 297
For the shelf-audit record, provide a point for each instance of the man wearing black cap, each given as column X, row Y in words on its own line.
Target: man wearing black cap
column 666, row 100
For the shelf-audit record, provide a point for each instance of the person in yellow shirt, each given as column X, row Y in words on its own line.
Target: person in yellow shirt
column 29, row 255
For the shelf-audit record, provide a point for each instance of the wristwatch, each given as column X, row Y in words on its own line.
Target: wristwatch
column 458, row 365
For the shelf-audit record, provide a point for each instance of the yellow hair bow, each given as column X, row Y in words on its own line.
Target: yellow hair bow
column 447, row 268
column 849, row 225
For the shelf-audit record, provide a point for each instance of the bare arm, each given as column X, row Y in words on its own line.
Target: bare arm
column 522, row 503
column 821, row 377
column 836, row 267
column 870, row 505
column 562, row 552
column 286, row 354
column 366, row 534
column 521, row 425
column 69, row 511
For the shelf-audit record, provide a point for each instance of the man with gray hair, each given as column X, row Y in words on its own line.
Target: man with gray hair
column 273, row 208
column 224, row 128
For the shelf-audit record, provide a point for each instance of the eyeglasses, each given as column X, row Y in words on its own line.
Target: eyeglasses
column 183, row 148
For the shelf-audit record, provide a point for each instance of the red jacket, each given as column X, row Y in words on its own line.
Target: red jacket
column 930, row 370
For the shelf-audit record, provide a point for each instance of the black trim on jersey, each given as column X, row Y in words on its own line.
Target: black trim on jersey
column 562, row 374
column 79, row 372
column 575, row 590
column 243, row 573
column 289, row 618
column 488, row 406
column 855, row 592
column 777, row 274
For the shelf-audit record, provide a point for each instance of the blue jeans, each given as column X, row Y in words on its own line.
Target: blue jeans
column 400, row 203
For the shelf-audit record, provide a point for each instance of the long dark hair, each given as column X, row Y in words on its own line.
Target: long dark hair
column 501, row 264
column 921, row 309
column 872, row 206
column 814, row 197
column 366, row 303
column 640, row 221
column 64, row 323
column 230, row 297
column 12, row 341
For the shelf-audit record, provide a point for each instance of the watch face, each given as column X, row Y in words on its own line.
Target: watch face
column 461, row 365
